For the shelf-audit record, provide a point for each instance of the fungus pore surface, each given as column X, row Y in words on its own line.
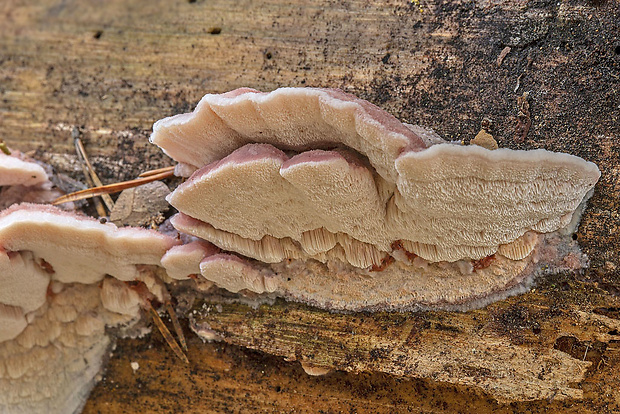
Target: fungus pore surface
column 322, row 197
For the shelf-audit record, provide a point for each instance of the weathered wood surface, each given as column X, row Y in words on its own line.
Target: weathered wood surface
column 112, row 68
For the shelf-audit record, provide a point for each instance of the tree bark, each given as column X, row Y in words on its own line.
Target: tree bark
column 113, row 68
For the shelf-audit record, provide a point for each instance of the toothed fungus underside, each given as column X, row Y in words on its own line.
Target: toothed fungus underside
column 62, row 279
column 319, row 196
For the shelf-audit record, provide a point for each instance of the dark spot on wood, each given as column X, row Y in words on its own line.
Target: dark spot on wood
column 215, row 30
column 379, row 353
column 581, row 350
column 268, row 55
column 487, row 124
column 98, row 34
column 445, row 328
column 473, row 371
column 610, row 312
column 515, row 322
column 566, row 344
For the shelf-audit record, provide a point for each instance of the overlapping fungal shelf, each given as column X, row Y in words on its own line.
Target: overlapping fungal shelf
column 309, row 194
column 61, row 286
column 319, row 196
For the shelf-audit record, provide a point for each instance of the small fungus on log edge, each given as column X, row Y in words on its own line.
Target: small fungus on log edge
column 15, row 169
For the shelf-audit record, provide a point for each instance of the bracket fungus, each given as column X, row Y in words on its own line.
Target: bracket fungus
column 24, row 180
column 15, row 170
column 318, row 196
column 309, row 194
column 61, row 278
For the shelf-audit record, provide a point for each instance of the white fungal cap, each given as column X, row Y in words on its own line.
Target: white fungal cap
column 42, row 244
column 23, row 281
column 288, row 118
column 319, row 245
column 182, row 261
column 383, row 185
column 15, row 171
column 401, row 285
column 234, row 274
column 314, row 370
column 79, row 249
column 449, row 203
column 117, row 297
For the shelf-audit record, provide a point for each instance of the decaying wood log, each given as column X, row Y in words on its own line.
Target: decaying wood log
column 111, row 69
column 468, row 349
